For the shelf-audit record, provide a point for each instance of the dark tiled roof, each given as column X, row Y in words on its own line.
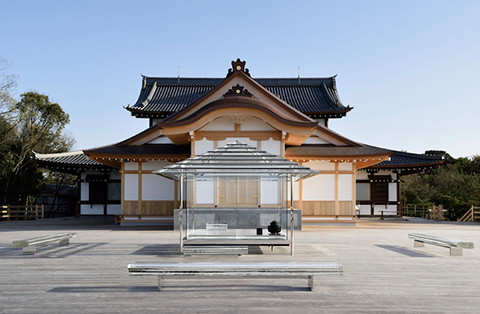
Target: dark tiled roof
column 143, row 150
column 308, row 150
column 68, row 162
column 71, row 158
column 164, row 96
column 404, row 159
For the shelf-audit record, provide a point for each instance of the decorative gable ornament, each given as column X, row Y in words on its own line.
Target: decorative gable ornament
column 237, row 90
column 238, row 66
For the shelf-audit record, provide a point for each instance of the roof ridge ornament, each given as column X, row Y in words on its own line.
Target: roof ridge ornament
column 238, row 66
column 237, row 90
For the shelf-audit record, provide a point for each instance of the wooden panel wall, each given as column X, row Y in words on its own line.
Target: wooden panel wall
column 346, row 208
column 149, row 208
column 318, row 208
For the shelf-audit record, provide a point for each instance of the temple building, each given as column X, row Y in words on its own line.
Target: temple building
column 283, row 117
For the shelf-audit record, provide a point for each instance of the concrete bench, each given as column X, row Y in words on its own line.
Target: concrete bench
column 261, row 270
column 455, row 246
column 29, row 245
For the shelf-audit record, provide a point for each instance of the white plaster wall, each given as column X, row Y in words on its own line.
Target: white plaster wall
column 319, row 188
column 389, row 210
column 205, row 193
column 243, row 140
column 296, row 190
column 160, row 140
column 364, row 209
column 271, row 146
column 345, row 166
column 131, row 166
column 392, row 192
column 345, row 188
column 203, row 146
column 220, row 124
column 131, row 187
column 155, row 164
column 320, row 165
column 85, row 209
column 255, row 124
column 269, row 192
column 315, row 140
column 157, row 188
column 362, row 175
column 114, row 209
column 84, row 191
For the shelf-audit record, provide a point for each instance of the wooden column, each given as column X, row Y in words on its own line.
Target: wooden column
column 354, row 186
column 122, row 191
column 300, row 193
column 192, row 143
column 337, row 203
column 139, row 210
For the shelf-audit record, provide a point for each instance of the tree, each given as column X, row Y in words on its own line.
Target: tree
column 455, row 185
column 7, row 83
column 34, row 124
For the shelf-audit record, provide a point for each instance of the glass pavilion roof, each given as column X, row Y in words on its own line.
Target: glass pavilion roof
column 236, row 160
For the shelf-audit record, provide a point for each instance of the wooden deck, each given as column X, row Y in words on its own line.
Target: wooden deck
column 382, row 271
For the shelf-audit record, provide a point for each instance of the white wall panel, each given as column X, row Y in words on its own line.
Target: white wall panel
column 220, row 124
column 91, row 210
column 365, row 209
column 319, row 188
column 157, row 188
column 270, row 192
column 155, row 164
column 392, row 192
column 243, row 140
column 205, row 193
column 320, row 165
column 345, row 166
column 315, row 140
column 131, row 166
column 255, row 124
column 271, row 146
column 203, row 146
column 161, row 140
column 114, row 209
column 345, row 188
column 362, row 175
column 388, row 210
column 131, row 187
column 84, row 191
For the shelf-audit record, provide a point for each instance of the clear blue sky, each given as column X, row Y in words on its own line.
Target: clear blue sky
column 411, row 69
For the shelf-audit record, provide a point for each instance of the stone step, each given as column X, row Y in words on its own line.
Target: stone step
column 215, row 250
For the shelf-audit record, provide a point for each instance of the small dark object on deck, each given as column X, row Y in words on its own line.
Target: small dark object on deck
column 274, row 228
column 259, row 231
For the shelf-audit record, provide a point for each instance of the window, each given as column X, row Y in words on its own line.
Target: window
column 114, row 191
column 363, row 191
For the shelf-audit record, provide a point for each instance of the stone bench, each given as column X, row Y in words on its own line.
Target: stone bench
column 212, row 270
column 455, row 246
column 29, row 245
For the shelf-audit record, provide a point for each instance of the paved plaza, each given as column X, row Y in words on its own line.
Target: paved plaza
column 383, row 272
